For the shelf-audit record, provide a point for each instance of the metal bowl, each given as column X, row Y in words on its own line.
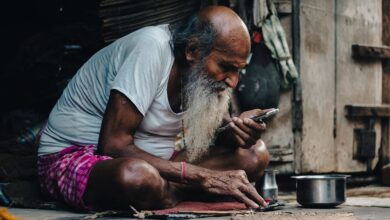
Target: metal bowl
column 321, row 190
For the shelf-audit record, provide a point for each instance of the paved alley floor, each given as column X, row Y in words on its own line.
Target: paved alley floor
column 362, row 204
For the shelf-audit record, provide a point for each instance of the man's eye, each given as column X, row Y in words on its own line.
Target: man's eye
column 224, row 68
column 227, row 68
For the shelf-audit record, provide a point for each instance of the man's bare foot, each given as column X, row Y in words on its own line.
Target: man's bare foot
column 173, row 195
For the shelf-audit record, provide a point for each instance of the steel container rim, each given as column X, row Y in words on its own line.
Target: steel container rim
column 313, row 199
column 320, row 177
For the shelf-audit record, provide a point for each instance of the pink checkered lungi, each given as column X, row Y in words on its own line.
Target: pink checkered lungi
column 64, row 175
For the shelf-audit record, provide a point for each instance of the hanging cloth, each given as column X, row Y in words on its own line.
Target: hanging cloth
column 265, row 17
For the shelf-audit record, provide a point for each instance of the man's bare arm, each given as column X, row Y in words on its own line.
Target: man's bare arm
column 120, row 122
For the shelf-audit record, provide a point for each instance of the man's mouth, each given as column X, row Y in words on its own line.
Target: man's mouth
column 219, row 87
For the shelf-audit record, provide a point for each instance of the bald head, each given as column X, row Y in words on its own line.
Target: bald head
column 232, row 32
column 214, row 27
column 224, row 20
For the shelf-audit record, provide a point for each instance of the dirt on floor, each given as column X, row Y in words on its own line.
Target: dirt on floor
column 371, row 202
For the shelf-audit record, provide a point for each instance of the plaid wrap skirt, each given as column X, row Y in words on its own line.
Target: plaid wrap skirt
column 64, row 175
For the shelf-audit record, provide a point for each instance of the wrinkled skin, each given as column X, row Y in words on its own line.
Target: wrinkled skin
column 135, row 177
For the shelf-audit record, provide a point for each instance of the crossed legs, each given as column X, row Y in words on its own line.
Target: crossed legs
column 118, row 183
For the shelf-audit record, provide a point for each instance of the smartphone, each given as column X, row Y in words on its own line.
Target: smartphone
column 257, row 118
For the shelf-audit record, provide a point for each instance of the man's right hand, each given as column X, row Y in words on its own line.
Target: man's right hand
column 233, row 183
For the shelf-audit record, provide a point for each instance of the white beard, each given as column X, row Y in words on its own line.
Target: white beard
column 205, row 108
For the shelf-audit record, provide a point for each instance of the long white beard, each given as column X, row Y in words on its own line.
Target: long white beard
column 205, row 109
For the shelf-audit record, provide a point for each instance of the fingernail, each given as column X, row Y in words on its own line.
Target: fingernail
column 256, row 206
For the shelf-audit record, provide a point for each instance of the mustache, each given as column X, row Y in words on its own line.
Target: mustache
column 217, row 85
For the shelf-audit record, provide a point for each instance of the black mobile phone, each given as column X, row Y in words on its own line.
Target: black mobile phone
column 257, row 118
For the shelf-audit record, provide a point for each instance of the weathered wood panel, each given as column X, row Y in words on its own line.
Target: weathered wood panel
column 368, row 51
column 279, row 129
column 279, row 134
column 357, row 82
column 385, row 142
column 316, row 152
column 330, row 79
column 367, row 110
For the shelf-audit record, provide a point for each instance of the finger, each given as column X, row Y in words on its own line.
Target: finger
column 240, row 123
column 242, row 175
column 252, row 193
column 254, row 125
column 243, row 135
column 250, row 190
column 243, row 198
column 239, row 141
column 237, row 126
column 243, row 143
column 255, row 128
column 250, row 127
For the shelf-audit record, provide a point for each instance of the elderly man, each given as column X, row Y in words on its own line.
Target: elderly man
column 135, row 124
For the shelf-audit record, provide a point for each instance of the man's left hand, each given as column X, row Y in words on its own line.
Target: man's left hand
column 246, row 131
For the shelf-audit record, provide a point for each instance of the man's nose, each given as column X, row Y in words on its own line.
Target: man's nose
column 232, row 80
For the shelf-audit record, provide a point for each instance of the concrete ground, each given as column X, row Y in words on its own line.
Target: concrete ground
column 362, row 204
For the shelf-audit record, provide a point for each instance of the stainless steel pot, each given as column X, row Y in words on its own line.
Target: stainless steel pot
column 321, row 190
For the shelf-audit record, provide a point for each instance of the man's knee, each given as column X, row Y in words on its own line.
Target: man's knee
column 137, row 177
column 258, row 157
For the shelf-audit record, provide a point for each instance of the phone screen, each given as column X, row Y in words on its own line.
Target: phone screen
column 259, row 118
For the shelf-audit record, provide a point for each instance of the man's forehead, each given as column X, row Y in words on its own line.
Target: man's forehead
column 234, row 46
column 231, row 57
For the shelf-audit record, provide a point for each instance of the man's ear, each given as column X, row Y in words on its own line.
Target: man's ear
column 192, row 50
